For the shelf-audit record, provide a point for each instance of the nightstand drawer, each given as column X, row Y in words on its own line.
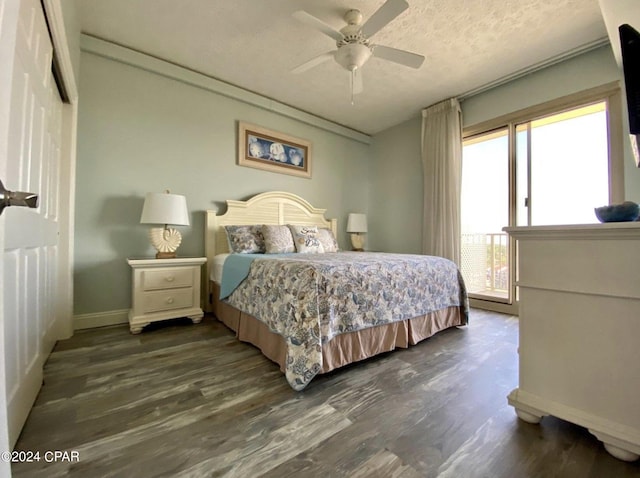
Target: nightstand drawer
column 167, row 278
column 167, row 300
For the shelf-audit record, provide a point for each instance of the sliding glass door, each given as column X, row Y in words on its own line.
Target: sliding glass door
column 562, row 167
column 549, row 170
column 484, row 212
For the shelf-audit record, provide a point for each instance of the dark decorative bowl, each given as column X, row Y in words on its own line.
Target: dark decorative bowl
column 627, row 211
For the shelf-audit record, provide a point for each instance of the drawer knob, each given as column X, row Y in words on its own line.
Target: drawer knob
column 169, row 300
column 169, row 278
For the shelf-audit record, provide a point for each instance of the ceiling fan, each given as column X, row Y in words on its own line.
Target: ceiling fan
column 353, row 45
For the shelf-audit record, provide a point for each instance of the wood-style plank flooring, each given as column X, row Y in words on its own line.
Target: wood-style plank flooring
column 190, row 400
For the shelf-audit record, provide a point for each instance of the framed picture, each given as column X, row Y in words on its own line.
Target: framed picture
column 273, row 151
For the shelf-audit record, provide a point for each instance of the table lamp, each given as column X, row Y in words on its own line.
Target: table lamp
column 165, row 208
column 357, row 226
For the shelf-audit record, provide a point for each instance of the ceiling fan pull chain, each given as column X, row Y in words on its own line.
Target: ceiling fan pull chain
column 353, row 74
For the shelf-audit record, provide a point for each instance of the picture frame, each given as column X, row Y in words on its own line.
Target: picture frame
column 262, row 148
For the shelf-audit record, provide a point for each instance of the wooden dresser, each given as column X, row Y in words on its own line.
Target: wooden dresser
column 579, row 350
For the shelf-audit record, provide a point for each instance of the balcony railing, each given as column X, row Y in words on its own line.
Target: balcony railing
column 485, row 263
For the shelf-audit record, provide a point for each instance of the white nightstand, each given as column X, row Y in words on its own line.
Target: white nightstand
column 165, row 289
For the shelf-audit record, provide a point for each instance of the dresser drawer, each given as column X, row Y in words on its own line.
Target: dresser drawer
column 167, row 278
column 160, row 300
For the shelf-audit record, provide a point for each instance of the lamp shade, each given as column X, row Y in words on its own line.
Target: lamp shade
column 165, row 208
column 357, row 223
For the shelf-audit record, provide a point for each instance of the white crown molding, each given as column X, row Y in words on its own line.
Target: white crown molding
column 146, row 62
column 536, row 67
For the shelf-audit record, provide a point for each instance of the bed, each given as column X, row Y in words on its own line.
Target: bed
column 313, row 313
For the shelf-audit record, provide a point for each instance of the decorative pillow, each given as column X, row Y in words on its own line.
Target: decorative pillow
column 277, row 239
column 245, row 239
column 306, row 239
column 327, row 239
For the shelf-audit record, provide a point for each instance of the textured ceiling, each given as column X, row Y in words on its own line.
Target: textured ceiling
column 255, row 43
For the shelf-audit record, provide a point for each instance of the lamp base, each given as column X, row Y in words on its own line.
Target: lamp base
column 166, row 241
column 166, row 255
column 357, row 241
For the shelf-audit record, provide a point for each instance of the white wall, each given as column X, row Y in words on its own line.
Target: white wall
column 396, row 180
column 141, row 131
column 614, row 14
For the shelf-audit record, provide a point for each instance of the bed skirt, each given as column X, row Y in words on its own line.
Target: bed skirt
column 342, row 349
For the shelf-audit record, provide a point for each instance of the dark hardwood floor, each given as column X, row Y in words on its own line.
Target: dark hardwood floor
column 190, row 400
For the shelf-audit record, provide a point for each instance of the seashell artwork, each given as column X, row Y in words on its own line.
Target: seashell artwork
column 165, row 240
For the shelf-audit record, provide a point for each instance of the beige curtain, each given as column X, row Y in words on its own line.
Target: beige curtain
column 442, row 169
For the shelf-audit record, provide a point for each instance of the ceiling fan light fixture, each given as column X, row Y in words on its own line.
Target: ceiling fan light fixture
column 352, row 56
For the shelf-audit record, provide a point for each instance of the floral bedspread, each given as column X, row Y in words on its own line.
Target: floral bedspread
column 311, row 299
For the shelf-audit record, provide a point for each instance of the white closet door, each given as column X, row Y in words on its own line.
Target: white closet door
column 30, row 255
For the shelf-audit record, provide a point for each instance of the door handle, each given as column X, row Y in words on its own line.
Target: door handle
column 16, row 198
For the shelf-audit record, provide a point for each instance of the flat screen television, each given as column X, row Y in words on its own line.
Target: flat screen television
column 630, row 49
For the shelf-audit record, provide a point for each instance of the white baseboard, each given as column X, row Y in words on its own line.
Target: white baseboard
column 100, row 319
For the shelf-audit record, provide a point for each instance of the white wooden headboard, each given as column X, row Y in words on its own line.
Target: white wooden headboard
column 276, row 207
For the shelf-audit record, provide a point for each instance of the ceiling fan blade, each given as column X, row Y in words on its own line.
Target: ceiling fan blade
column 387, row 12
column 356, row 78
column 402, row 57
column 318, row 24
column 307, row 65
